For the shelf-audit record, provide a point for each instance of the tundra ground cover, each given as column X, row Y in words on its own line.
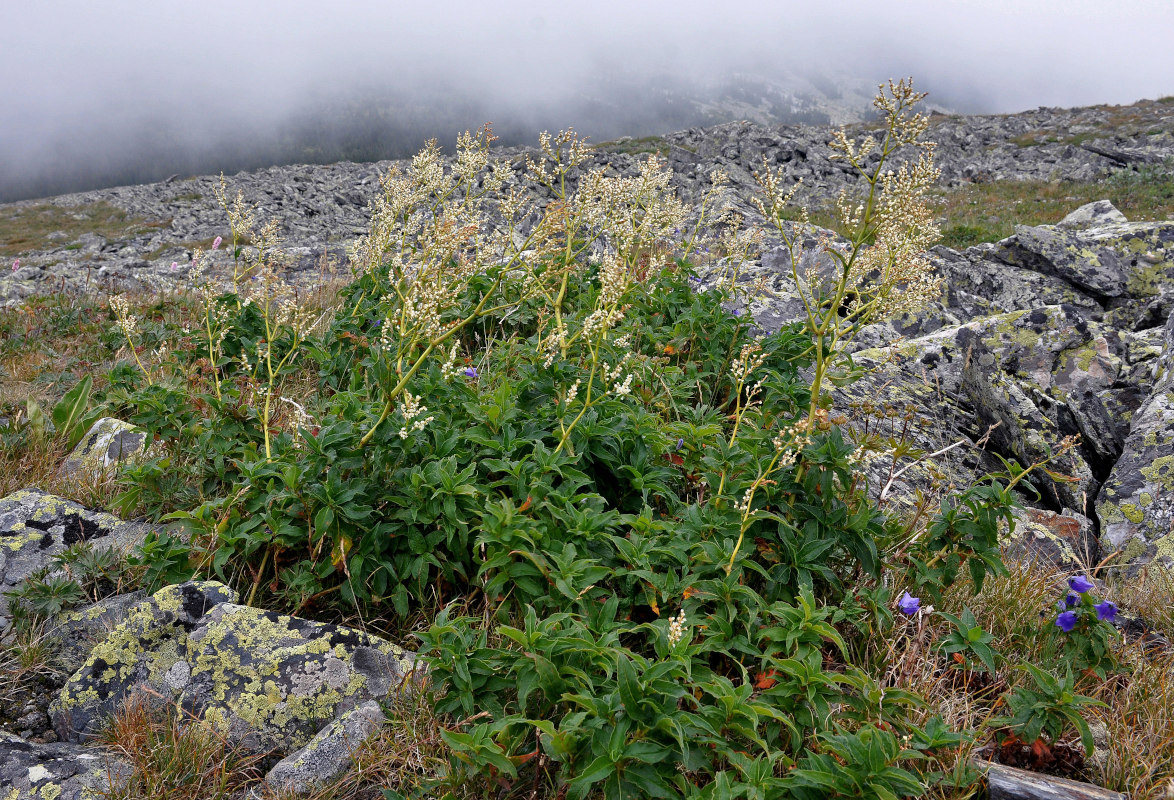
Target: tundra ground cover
column 631, row 539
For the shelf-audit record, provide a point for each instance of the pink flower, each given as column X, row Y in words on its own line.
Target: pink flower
column 216, row 242
column 16, row 265
column 174, row 266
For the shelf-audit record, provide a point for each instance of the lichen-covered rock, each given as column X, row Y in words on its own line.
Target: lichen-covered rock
column 59, row 771
column 267, row 680
column 1136, row 504
column 1065, row 541
column 35, row 526
column 951, row 385
column 1091, row 215
column 272, row 681
column 76, row 633
column 148, row 650
column 980, row 284
column 329, row 754
column 108, row 443
column 1067, row 255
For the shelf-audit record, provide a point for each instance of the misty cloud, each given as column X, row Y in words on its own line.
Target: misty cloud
column 133, row 91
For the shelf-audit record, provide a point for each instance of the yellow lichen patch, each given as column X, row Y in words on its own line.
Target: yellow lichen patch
column 1161, row 472
column 1132, row 513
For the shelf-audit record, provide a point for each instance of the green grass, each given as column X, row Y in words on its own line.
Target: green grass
column 25, row 228
column 988, row 212
column 645, row 144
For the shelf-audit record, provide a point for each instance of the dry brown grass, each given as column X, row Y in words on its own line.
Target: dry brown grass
column 43, row 225
column 174, row 756
column 1137, row 752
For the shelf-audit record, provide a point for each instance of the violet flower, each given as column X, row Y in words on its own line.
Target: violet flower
column 1066, row 621
column 1106, row 611
column 909, row 604
column 1080, row 584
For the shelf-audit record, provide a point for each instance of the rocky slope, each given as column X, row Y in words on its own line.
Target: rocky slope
column 322, row 208
column 1053, row 332
column 1058, row 331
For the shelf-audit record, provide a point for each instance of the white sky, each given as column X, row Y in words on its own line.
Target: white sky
column 101, row 71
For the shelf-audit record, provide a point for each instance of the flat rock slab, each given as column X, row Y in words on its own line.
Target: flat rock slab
column 58, row 771
column 109, row 443
column 268, row 681
column 35, row 526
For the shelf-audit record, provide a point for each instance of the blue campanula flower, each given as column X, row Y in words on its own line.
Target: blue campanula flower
column 470, row 372
column 909, row 604
column 1080, row 584
column 1066, row 621
column 1106, row 611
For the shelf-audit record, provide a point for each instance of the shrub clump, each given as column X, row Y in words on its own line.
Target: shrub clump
column 638, row 550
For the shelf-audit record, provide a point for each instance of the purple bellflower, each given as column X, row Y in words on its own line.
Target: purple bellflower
column 909, row 604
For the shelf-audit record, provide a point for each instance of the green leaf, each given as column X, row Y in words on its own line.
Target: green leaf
column 68, row 413
column 629, row 686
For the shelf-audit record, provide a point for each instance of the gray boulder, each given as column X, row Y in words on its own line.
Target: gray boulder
column 271, row 681
column 147, row 651
column 1091, row 215
column 330, row 753
column 1067, row 255
column 1136, row 504
column 268, row 681
column 109, row 443
column 34, row 527
column 76, row 633
column 58, row 771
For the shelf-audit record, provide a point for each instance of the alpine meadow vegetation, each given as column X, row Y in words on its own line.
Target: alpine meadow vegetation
column 632, row 540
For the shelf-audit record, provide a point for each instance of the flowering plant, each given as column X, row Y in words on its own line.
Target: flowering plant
column 1083, row 631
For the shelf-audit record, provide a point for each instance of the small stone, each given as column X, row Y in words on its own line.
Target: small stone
column 109, row 443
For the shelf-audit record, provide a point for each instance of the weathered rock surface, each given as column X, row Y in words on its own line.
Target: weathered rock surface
column 59, row 771
column 146, row 651
column 330, row 753
column 1136, row 504
column 1067, row 540
column 76, row 633
column 108, row 443
column 269, row 681
column 35, row 526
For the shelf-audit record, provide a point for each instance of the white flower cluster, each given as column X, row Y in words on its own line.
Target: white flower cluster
column 677, row 629
column 412, row 410
column 749, row 359
column 448, row 369
column 124, row 320
column 790, row 441
column 611, row 375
